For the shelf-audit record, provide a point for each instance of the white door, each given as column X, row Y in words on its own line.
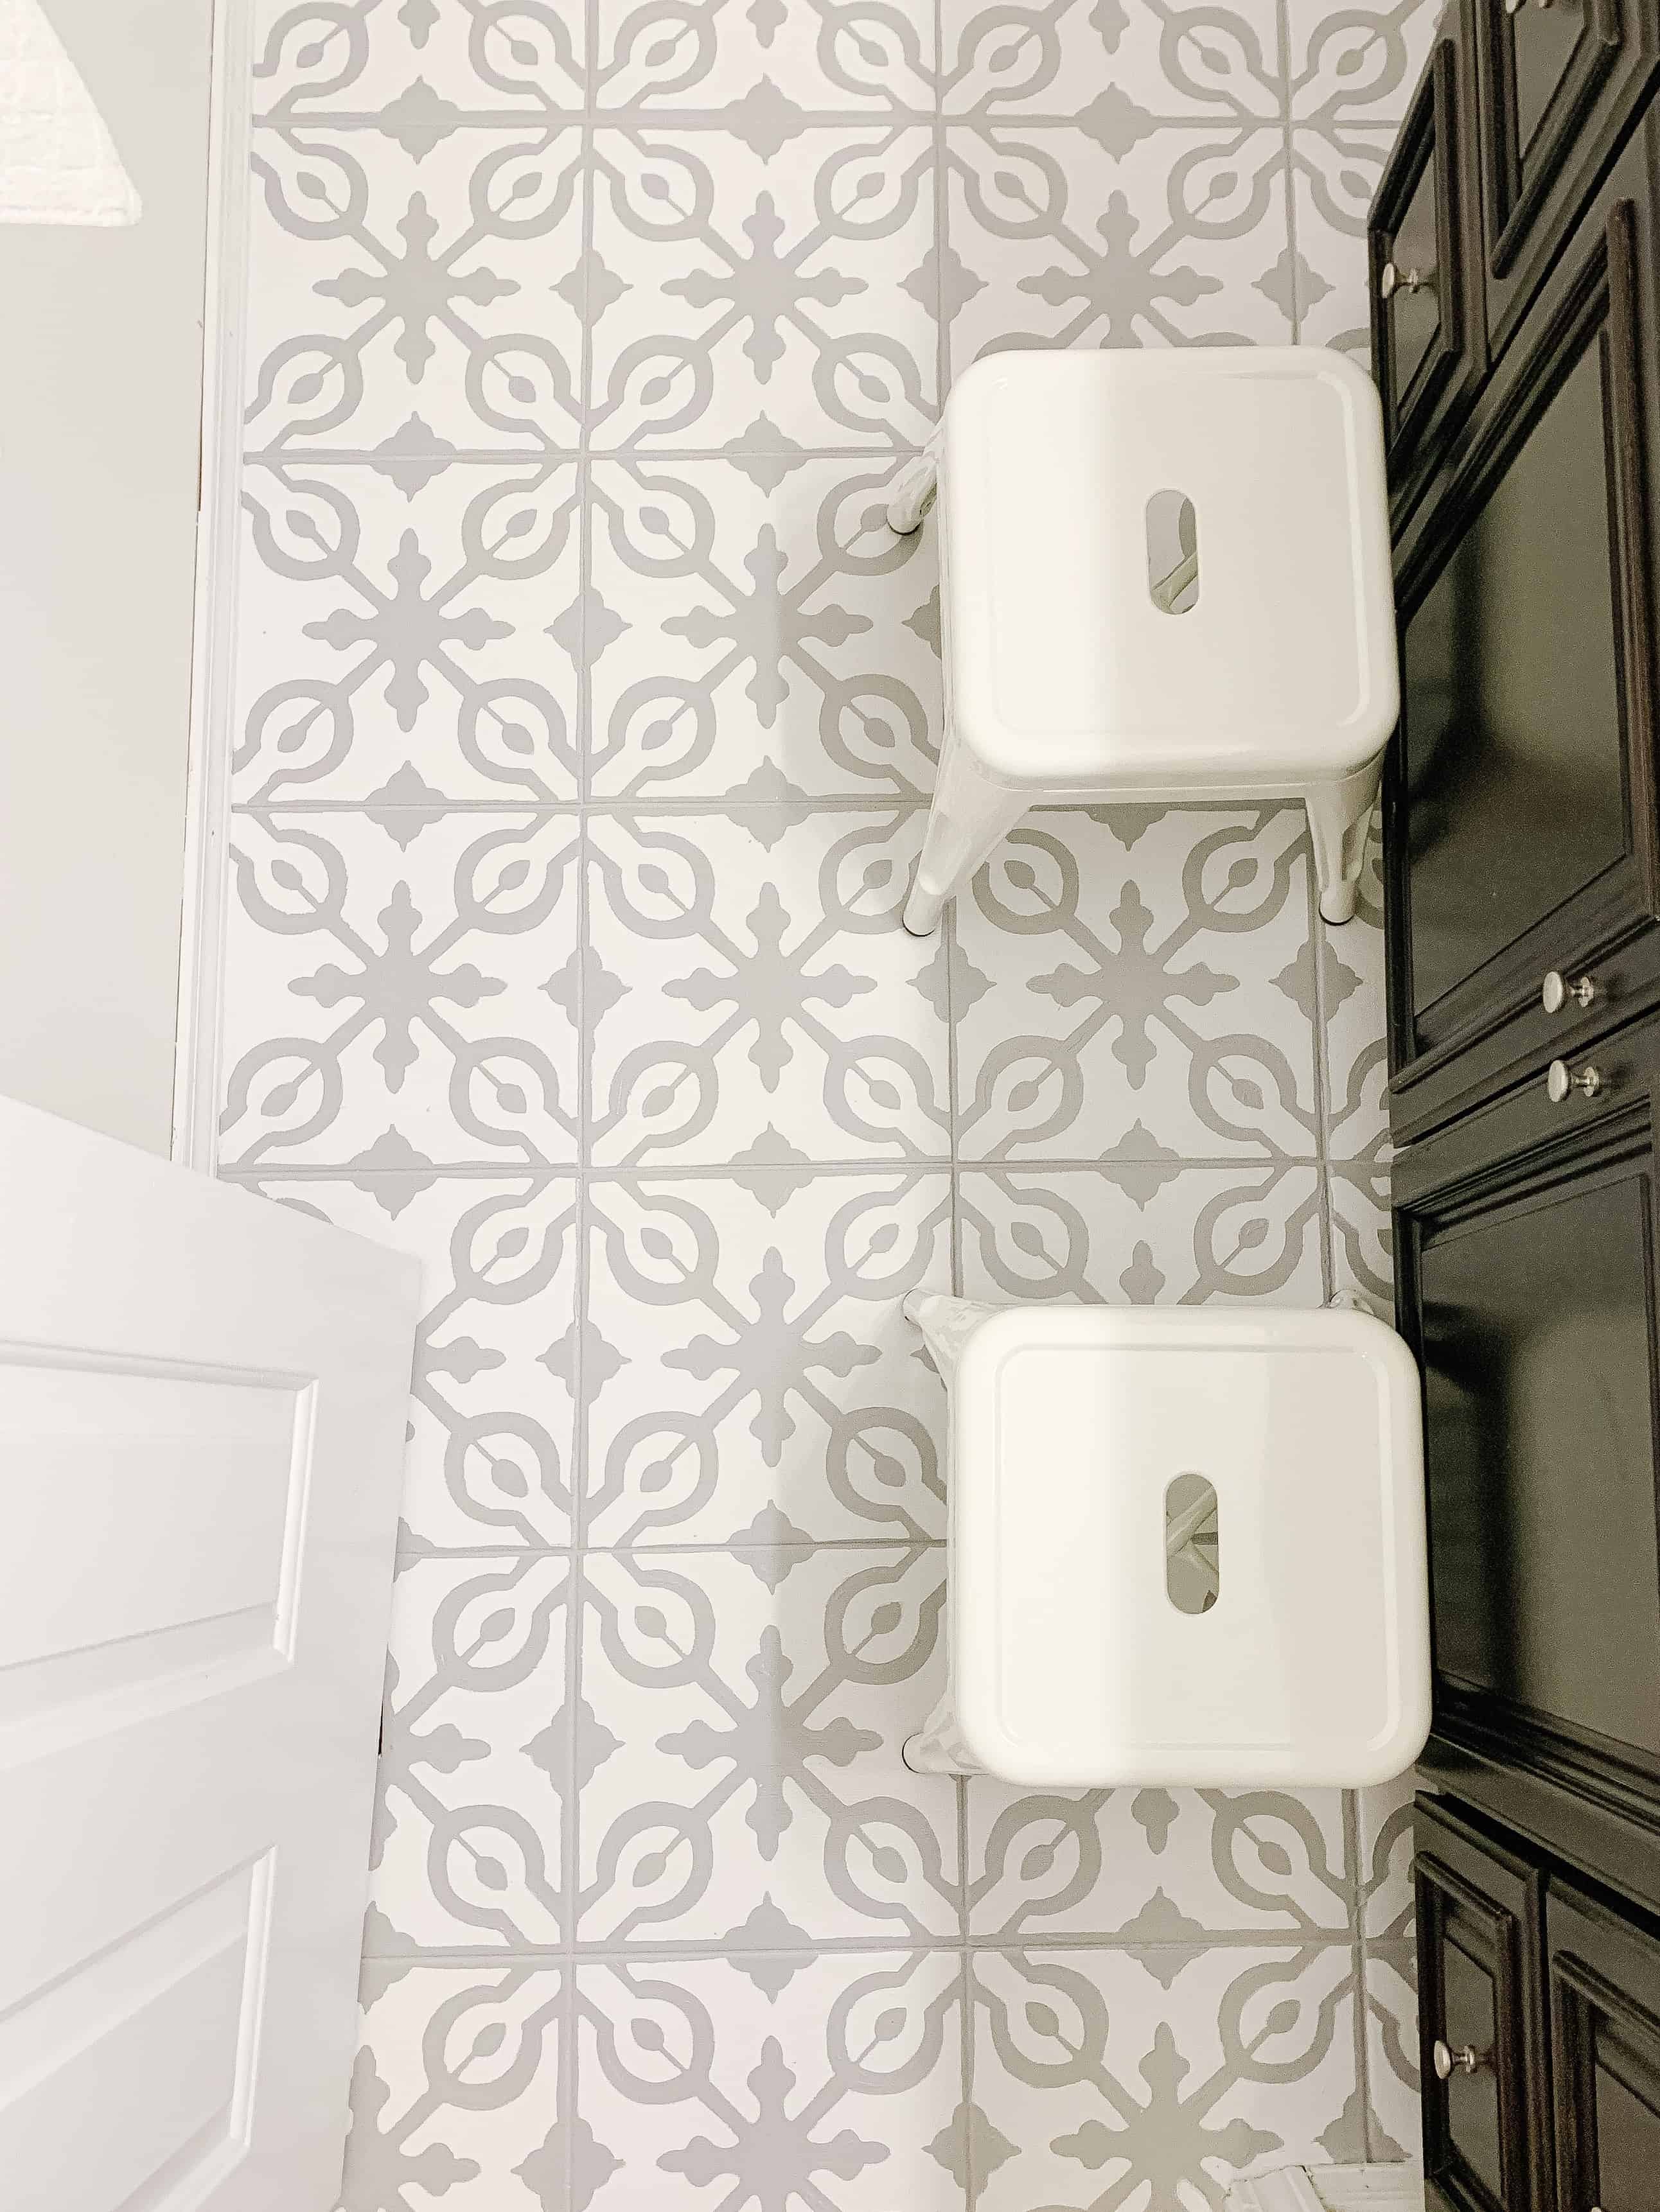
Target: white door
column 201, row 1403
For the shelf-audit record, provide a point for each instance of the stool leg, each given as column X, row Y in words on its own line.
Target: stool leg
column 969, row 820
column 913, row 492
column 938, row 1748
column 1338, row 816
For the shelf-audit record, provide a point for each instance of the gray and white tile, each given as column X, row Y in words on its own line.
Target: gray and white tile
column 422, row 298
column 752, row 1378
column 417, row 71
column 499, row 1356
column 1057, row 239
column 476, row 1761
column 833, row 2081
column 1118, row 69
column 765, row 634
column 742, row 1782
column 1357, row 63
column 1158, row 2077
column 763, row 70
column 773, row 1010
column 1141, row 985
column 1155, row 1866
column 455, row 2093
column 1392, row 2074
column 1158, row 1232
column 411, row 984
column 397, row 644
column 774, row 303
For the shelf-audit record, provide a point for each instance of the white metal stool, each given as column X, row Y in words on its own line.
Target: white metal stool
column 1186, row 1547
column 1164, row 576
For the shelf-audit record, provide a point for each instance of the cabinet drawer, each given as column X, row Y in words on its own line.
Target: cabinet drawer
column 1560, row 81
column 1605, row 2052
column 1480, row 2016
column 1520, row 796
column 1428, row 348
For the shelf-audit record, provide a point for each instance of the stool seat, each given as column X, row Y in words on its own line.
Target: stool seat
column 1065, row 670
column 1185, row 1547
column 1165, row 577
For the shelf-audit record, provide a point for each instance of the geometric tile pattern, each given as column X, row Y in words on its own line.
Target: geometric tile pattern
column 586, row 718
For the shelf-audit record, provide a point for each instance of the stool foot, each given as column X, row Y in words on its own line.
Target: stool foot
column 1340, row 816
column 922, row 910
column 937, row 1749
column 1337, row 905
column 913, row 495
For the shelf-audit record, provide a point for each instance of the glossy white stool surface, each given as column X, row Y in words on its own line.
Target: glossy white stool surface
column 1070, row 1662
column 1084, row 660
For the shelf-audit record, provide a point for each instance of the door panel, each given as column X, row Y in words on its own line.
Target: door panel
column 1480, row 2015
column 1561, row 81
column 1605, row 2026
column 1428, row 342
column 202, row 1399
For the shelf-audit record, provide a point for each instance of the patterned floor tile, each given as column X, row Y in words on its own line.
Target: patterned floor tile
column 1392, row 2052
column 1138, row 984
column 750, row 1369
column 455, row 2093
column 402, row 987
column 1157, row 2077
column 1158, row 1234
column 742, row 1781
column 395, row 639
column 1361, row 1257
column 754, row 997
column 760, row 68
column 766, row 635
column 1120, row 69
column 1386, row 1845
column 476, row 1758
column 833, row 2083
column 762, row 305
column 1357, row 63
column 316, row 60
column 497, row 1356
column 1165, row 1866
column 1357, row 1050
column 1334, row 177
column 412, row 300
column 1057, row 239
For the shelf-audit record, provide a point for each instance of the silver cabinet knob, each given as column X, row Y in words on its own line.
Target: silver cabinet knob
column 1465, row 2060
column 1555, row 991
column 1561, row 1083
column 1392, row 279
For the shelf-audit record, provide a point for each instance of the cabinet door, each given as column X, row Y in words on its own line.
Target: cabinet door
column 1560, row 83
column 1521, row 824
column 1481, row 2017
column 1428, row 350
column 1526, row 1252
column 1605, row 2037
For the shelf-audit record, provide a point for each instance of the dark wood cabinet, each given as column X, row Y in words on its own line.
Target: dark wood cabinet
column 1605, row 2043
column 1522, row 816
column 1560, row 83
column 1482, row 2018
column 1427, row 299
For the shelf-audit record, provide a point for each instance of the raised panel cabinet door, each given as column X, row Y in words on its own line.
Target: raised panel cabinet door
column 1561, row 81
column 202, row 1404
column 1526, row 1251
column 1605, row 2049
column 1480, row 2016
column 1520, row 795
column 1428, row 342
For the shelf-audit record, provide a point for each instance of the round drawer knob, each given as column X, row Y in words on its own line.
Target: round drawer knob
column 1392, row 278
column 1447, row 2062
column 1556, row 990
column 1560, row 1082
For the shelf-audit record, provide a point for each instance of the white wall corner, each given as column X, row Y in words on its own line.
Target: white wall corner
column 57, row 161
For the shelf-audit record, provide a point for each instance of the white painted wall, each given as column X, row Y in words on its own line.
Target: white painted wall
column 101, row 346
